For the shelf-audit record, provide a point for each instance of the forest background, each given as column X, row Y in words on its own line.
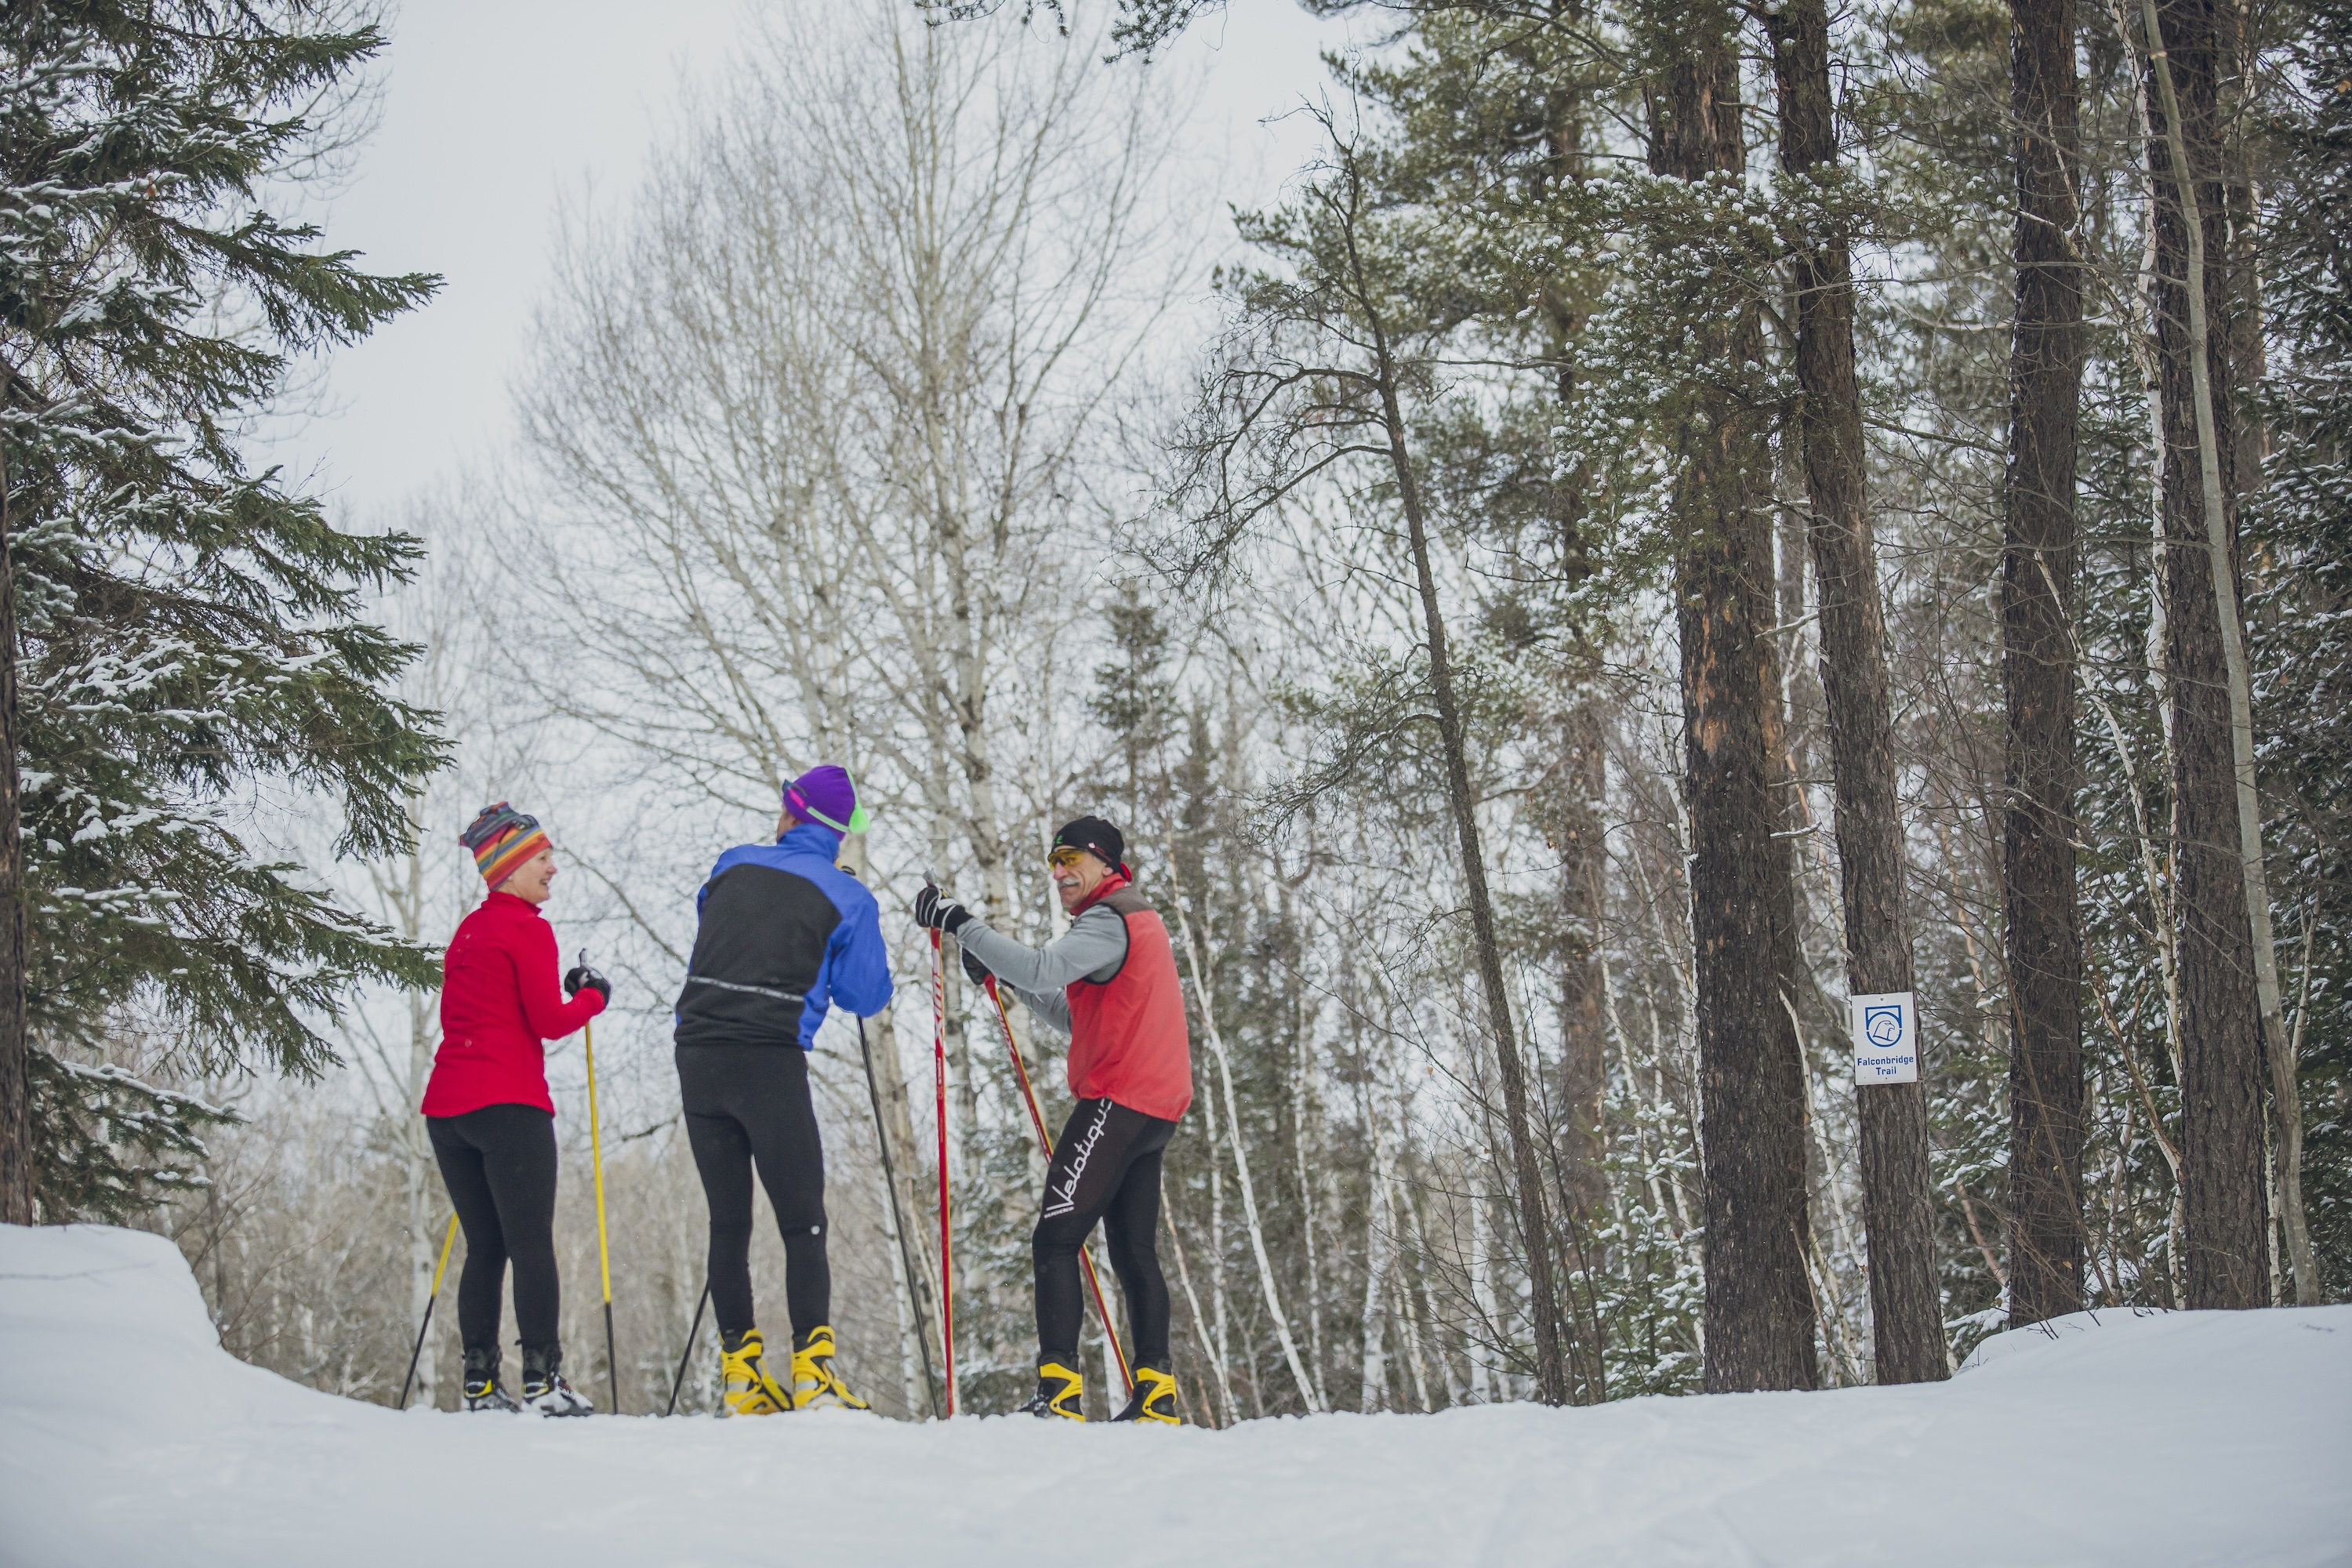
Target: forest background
column 1491, row 502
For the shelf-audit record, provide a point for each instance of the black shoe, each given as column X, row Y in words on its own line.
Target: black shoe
column 1154, row 1399
column 482, row 1390
column 543, row 1388
column 1060, row 1393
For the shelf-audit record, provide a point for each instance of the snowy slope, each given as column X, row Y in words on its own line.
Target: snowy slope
column 127, row 1436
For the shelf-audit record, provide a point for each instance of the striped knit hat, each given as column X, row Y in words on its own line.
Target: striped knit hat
column 502, row 838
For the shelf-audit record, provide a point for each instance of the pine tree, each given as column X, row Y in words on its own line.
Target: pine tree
column 2299, row 586
column 190, row 631
column 2038, row 572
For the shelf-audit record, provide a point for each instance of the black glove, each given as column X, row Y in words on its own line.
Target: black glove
column 933, row 912
column 977, row 971
column 581, row 976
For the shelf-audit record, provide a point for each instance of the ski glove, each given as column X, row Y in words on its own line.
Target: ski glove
column 975, row 969
column 581, row 976
column 933, row 912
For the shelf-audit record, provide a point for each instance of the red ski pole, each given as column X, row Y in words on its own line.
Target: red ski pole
column 1037, row 1121
column 940, row 1085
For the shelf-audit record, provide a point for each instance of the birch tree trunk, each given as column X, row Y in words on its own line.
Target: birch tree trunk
column 16, row 1047
column 1482, row 1295
column 1207, row 1002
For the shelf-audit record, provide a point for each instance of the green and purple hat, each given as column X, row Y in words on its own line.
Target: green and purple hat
column 826, row 796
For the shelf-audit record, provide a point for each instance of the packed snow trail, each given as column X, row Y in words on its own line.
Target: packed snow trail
column 128, row 1436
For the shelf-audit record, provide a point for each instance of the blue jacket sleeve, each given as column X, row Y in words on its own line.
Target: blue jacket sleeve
column 858, row 972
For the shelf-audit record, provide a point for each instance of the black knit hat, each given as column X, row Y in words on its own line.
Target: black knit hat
column 1097, row 837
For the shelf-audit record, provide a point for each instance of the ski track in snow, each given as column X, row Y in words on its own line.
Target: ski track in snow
column 128, row 1436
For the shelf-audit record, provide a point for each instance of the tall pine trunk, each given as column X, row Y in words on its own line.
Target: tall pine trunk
column 1544, row 1306
column 1534, row 1214
column 1759, row 1314
column 15, row 1120
column 1907, row 1310
column 2223, row 1205
column 2043, row 917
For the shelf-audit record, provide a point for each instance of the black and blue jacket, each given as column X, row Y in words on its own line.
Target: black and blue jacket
column 784, row 934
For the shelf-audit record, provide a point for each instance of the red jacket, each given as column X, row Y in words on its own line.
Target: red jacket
column 1128, row 1039
column 500, row 997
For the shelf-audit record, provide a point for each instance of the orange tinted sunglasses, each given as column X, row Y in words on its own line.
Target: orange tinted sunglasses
column 1063, row 855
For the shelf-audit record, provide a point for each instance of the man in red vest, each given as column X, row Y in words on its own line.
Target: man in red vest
column 1110, row 983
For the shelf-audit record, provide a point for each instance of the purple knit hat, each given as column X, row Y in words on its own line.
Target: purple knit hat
column 825, row 795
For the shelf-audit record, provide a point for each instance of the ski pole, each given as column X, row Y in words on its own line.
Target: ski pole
column 1037, row 1121
column 680, row 1381
column 604, row 1252
column 898, row 1220
column 432, row 1296
column 939, row 1087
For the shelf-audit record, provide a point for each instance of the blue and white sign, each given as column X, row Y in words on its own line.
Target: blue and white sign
column 1886, row 1037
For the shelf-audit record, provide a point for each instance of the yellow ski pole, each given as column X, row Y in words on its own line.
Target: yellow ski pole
column 604, row 1252
column 447, row 1242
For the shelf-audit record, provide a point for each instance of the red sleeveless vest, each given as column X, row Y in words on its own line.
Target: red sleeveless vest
column 1127, row 1038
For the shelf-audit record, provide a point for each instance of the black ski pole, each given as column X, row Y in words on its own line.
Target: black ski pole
column 898, row 1220
column 680, row 1381
column 431, row 1297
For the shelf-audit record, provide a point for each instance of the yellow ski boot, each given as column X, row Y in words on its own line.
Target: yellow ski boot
column 1060, row 1391
column 1154, row 1400
column 816, row 1385
column 750, row 1391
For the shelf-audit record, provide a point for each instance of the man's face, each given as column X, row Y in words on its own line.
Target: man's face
column 1075, row 876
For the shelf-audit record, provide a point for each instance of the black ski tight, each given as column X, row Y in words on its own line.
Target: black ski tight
column 745, row 1105
column 1106, row 1167
column 498, row 1164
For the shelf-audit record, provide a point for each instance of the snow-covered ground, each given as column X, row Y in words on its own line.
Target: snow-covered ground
column 128, row 1436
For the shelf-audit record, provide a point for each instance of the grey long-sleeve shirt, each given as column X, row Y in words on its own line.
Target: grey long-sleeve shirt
column 1092, row 949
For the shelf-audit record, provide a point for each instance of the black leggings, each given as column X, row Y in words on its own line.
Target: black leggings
column 747, row 1104
column 498, row 1164
column 1106, row 1167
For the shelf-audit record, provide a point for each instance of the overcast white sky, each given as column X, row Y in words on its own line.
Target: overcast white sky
column 495, row 108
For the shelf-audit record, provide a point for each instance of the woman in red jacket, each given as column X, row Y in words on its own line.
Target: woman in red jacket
column 486, row 1107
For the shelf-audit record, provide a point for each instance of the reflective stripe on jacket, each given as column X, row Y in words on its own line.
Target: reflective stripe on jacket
column 781, row 934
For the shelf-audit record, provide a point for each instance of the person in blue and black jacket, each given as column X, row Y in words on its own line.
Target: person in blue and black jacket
column 785, row 935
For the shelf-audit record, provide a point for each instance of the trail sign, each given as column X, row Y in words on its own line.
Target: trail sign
column 1885, row 1038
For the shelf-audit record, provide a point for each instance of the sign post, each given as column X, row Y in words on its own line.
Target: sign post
column 1885, row 1038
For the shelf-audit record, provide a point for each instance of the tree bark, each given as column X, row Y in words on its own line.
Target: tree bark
column 2218, row 836
column 15, row 1118
column 1760, row 1315
column 1544, row 1309
column 2043, row 917
column 1583, row 1023
column 1898, row 1214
